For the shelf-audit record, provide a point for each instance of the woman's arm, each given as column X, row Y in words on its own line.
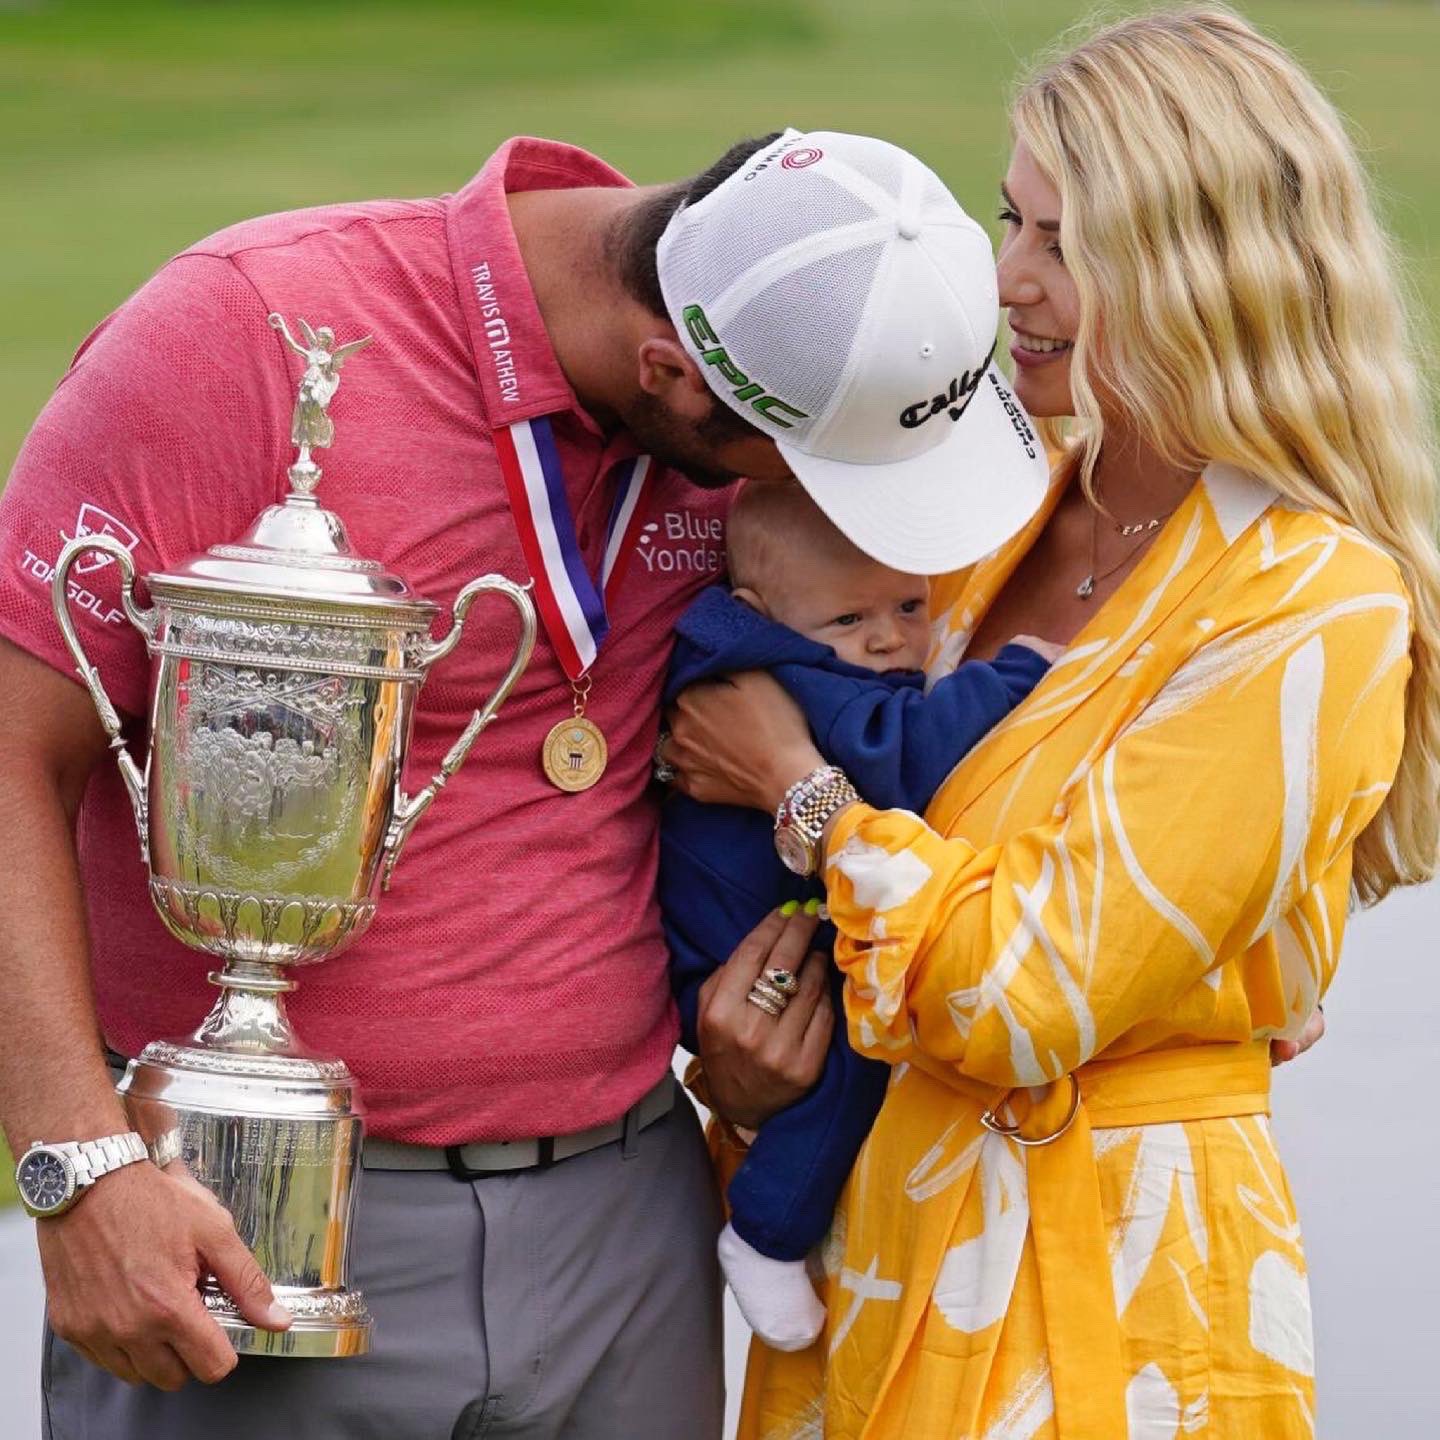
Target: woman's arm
column 1209, row 823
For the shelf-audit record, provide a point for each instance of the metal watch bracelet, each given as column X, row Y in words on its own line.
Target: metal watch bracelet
column 51, row 1176
column 802, row 815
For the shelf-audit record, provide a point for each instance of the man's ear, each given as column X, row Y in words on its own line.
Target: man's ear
column 753, row 599
column 667, row 372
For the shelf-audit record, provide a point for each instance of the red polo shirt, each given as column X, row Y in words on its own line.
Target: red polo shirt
column 514, row 980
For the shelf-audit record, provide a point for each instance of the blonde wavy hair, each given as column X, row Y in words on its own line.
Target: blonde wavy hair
column 1212, row 200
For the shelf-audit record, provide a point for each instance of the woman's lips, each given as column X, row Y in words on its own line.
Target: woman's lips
column 1030, row 359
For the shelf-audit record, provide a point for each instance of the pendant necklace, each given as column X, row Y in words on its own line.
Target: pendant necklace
column 1143, row 528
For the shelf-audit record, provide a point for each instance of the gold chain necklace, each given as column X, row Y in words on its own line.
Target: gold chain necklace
column 1143, row 528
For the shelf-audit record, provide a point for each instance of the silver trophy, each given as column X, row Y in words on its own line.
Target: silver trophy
column 271, row 814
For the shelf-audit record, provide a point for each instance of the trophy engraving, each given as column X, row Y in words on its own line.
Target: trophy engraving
column 270, row 809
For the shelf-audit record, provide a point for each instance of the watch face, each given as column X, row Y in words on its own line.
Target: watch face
column 46, row 1180
column 793, row 851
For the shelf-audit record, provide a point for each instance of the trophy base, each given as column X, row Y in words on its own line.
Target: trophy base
column 275, row 1137
column 324, row 1325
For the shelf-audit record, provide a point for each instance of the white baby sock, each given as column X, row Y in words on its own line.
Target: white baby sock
column 775, row 1296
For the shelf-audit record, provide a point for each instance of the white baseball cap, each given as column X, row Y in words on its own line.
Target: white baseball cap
column 834, row 294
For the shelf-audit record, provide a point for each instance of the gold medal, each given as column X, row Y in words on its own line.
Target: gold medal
column 574, row 754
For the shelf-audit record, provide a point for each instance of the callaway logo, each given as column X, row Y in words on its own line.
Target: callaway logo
column 955, row 399
column 746, row 390
column 799, row 159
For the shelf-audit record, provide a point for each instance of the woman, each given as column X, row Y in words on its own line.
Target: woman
column 1070, row 1219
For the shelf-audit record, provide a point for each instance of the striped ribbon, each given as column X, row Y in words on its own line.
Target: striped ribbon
column 572, row 606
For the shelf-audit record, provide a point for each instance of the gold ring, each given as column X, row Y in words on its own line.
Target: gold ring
column 763, row 1002
column 785, row 981
column 772, row 993
column 996, row 1126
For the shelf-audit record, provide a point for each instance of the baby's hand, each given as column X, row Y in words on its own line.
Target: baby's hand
column 1047, row 649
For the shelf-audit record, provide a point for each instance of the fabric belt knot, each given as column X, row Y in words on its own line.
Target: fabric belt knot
column 1053, row 1124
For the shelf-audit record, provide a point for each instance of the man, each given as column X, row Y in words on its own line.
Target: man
column 512, row 988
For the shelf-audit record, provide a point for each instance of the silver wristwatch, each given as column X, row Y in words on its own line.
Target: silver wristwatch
column 51, row 1178
column 803, row 813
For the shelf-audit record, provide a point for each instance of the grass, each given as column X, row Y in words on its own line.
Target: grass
column 133, row 128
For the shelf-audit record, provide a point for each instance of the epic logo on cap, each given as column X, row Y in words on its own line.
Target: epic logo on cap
column 745, row 390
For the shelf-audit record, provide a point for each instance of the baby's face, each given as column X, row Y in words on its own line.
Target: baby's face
column 871, row 616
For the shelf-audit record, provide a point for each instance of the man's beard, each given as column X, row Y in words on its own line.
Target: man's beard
column 679, row 445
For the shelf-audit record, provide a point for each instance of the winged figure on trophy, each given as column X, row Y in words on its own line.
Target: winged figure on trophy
column 312, row 428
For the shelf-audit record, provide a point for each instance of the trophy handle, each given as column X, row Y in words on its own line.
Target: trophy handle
column 145, row 621
column 409, row 809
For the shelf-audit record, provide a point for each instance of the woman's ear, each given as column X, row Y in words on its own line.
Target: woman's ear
column 753, row 599
column 667, row 372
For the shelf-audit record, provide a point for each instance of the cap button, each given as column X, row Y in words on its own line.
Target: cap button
column 909, row 227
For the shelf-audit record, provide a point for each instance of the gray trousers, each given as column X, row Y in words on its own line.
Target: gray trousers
column 580, row 1302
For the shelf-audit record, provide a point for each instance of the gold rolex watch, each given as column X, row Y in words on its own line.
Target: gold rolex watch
column 803, row 813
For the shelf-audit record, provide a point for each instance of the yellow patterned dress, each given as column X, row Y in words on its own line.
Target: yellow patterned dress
column 1112, row 904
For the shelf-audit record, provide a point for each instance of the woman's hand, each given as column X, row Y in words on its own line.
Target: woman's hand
column 739, row 741
column 1283, row 1050
column 756, row 1063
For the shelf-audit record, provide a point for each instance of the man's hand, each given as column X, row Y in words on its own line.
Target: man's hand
column 122, row 1271
column 1283, row 1050
column 756, row 1064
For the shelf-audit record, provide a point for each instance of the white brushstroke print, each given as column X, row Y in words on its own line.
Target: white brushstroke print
column 1152, row 1406
column 1237, row 658
column 882, row 881
column 1026, row 1411
column 1144, row 885
column 932, row 1173
column 977, row 1277
column 864, row 1286
column 1280, row 1313
column 1301, row 690
column 1163, row 1165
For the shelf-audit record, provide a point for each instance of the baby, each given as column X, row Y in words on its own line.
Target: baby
column 847, row 638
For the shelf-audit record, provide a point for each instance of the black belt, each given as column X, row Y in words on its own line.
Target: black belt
column 483, row 1159
column 503, row 1157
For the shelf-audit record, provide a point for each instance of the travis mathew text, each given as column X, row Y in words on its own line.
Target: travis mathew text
column 497, row 333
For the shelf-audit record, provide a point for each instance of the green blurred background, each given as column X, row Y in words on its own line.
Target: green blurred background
column 130, row 128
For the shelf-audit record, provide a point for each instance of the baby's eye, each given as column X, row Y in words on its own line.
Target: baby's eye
column 909, row 607
column 847, row 619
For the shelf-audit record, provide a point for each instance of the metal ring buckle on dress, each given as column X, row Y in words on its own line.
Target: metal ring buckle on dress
column 664, row 772
column 785, row 981
column 996, row 1126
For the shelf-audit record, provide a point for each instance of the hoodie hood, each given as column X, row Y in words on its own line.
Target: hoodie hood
column 719, row 634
